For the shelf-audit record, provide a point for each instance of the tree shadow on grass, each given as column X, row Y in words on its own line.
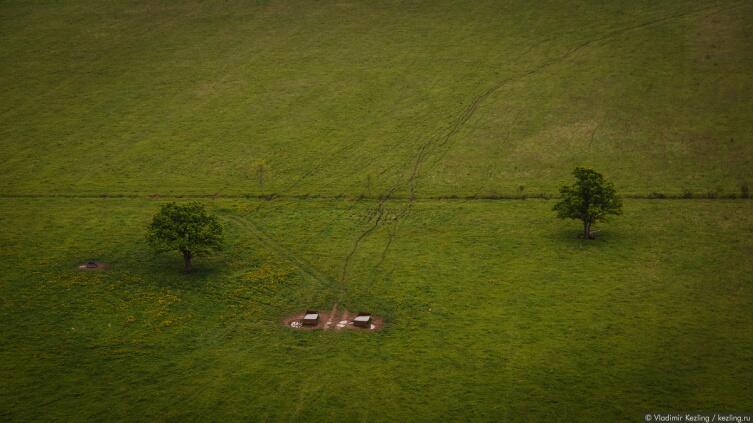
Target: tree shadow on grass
column 572, row 237
column 166, row 270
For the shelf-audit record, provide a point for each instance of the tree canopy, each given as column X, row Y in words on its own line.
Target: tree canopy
column 590, row 199
column 186, row 228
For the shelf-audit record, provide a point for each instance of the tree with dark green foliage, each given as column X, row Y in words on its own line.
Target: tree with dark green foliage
column 590, row 199
column 187, row 228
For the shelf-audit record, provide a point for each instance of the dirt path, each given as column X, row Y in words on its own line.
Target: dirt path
column 344, row 318
column 331, row 318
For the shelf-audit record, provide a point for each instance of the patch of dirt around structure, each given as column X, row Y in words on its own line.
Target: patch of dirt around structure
column 346, row 322
column 93, row 265
column 296, row 321
column 335, row 319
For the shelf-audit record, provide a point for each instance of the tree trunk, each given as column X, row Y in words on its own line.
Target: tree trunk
column 587, row 229
column 187, row 261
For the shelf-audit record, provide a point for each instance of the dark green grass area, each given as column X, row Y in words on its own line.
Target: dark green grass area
column 348, row 98
column 494, row 311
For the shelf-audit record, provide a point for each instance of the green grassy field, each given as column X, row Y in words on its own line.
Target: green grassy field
column 495, row 311
column 316, row 111
column 343, row 98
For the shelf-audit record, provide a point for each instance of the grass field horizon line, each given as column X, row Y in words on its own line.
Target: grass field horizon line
column 270, row 197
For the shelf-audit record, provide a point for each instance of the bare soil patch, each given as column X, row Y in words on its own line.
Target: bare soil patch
column 295, row 321
column 335, row 319
column 346, row 322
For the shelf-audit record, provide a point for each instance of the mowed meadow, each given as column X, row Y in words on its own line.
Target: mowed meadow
column 347, row 98
column 360, row 154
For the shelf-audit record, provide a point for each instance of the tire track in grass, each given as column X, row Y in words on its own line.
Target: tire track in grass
column 302, row 265
column 377, row 216
column 391, row 235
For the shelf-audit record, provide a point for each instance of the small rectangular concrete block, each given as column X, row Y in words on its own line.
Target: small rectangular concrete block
column 362, row 320
column 311, row 318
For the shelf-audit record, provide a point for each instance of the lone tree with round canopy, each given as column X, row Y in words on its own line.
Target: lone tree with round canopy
column 187, row 228
column 590, row 199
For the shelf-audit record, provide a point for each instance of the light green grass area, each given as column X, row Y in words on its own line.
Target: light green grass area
column 345, row 98
column 494, row 311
